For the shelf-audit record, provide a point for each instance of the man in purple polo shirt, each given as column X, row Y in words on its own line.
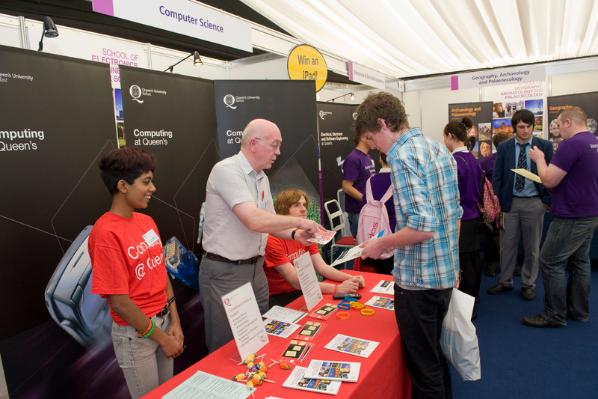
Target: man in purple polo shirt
column 357, row 169
column 573, row 177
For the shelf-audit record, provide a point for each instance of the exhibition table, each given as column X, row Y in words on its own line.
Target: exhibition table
column 383, row 374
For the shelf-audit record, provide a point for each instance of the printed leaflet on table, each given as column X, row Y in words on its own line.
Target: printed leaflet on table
column 333, row 370
column 280, row 328
column 384, row 287
column 381, row 302
column 354, row 346
column 297, row 381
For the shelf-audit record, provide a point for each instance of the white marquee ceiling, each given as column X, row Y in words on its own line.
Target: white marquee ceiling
column 403, row 38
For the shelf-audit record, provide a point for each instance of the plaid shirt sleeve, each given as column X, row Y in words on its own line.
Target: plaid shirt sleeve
column 412, row 193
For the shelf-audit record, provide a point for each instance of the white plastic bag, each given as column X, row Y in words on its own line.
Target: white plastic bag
column 458, row 338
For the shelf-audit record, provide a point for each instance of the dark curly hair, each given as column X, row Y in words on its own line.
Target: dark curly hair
column 126, row 164
column 380, row 106
column 523, row 115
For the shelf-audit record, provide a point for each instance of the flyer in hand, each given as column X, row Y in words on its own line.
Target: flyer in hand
column 322, row 237
column 297, row 381
column 333, row 370
column 354, row 346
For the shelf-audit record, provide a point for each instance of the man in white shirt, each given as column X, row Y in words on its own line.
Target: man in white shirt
column 239, row 214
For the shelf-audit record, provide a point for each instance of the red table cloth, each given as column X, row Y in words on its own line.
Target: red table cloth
column 382, row 375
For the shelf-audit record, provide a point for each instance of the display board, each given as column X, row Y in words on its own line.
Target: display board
column 587, row 101
column 480, row 114
column 173, row 117
column 289, row 104
column 336, row 138
column 57, row 121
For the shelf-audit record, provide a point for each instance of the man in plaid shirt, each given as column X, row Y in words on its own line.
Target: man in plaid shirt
column 426, row 197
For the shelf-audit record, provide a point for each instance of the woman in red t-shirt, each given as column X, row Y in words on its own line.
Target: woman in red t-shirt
column 280, row 254
column 128, row 270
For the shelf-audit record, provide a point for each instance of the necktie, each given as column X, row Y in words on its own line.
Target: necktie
column 521, row 164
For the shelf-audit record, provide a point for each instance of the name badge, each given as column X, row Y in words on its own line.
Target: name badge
column 151, row 238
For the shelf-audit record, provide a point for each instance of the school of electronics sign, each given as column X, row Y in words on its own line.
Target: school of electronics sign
column 184, row 17
column 289, row 104
column 51, row 143
column 173, row 117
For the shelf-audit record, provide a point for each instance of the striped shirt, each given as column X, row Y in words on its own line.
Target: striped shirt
column 426, row 196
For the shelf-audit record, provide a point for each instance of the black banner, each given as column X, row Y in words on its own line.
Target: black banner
column 57, row 121
column 172, row 116
column 289, row 104
column 481, row 115
column 587, row 101
column 335, row 126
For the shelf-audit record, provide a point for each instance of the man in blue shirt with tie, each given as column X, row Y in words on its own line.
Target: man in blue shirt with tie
column 523, row 203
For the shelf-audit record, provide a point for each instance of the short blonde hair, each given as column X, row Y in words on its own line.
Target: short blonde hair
column 285, row 199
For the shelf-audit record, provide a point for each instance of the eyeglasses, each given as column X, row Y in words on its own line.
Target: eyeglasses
column 274, row 144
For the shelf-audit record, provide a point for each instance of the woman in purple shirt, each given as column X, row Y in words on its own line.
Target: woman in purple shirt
column 470, row 178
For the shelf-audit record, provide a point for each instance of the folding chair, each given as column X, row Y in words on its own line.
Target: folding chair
column 337, row 223
column 340, row 196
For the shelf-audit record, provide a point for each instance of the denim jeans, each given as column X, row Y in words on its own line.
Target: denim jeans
column 567, row 250
column 419, row 315
column 353, row 222
column 142, row 361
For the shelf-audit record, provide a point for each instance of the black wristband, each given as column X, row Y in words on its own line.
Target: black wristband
column 293, row 234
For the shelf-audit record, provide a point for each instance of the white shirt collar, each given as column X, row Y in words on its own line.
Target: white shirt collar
column 460, row 149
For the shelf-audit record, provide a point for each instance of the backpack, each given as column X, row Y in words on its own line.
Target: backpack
column 373, row 217
column 490, row 206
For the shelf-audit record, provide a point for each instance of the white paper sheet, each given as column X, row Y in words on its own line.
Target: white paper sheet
column 384, row 287
column 284, row 314
column 352, row 253
column 208, row 386
column 308, row 280
column 245, row 320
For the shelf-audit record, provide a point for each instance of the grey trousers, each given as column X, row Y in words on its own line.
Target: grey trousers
column 142, row 361
column 219, row 278
column 524, row 222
